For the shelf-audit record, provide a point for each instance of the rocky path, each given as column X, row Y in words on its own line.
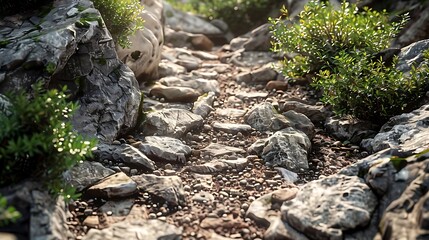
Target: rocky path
column 205, row 165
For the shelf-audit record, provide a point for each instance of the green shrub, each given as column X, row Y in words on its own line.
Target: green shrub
column 370, row 90
column 8, row 214
column 324, row 31
column 241, row 16
column 122, row 18
column 37, row 140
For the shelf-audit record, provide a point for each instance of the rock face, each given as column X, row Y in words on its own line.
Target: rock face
column 64, row 48
column 144, row 54
column 412, row 55
column 315, row 211
column 86, row 174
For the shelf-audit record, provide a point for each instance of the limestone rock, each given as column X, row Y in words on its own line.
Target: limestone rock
column 62, row 49
column 232, row 128
column 282, row 230
column 217, row 150
column 230, row 112
column 261, row 75
column 217, row 166
column 144, row 229
column 287, row 148
column 171, row 122
column 412, row 55
column 260, row 117
column 169, row 188
column 314, row 113
column 167, row 68
column 164, row 148
column 315, row 210
column 86, row 174
column 353, row 130
column 204, row 105
column 199, row 84
column 123, row 153
column 175, row 94
column 181, row 39
column 402, row 129
column 144, row 53
column 115, row 186
column 256, row 40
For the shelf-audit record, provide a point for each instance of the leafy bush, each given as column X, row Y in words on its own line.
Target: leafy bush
column 241, row 16
column 122, row 18
column 371, row 90
column 324, row 31
column 37, row 141
column 7, row 213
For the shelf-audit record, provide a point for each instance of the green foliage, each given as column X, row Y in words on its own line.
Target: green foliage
column 369, row 89
column 241, row 16
column 324, row 31
column 37, row 139
column 8, row 214
column 122, row 18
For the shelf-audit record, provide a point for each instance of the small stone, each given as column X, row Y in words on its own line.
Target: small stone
column 152, row 216
column 168, row 166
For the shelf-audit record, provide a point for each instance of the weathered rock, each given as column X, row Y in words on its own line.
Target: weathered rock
column 282, row 230
column 204, row 105
column 189, row 40
column 251, row 95
column 123, row 153
column 262, row 210
column 277, row 85
column 412, row 55
column 65, row 47
column 144, row 229
column 164, row 148
column 198, row 84
column 401, row 129
column 42, row 215
column 231, row 112
column 170, row 188
column 232, row 128
column 249, row 59
column 171, row 122
column 287, row 175
column 261, row 75
column 86, row 174
column 314, row 113
column 167, row 68
column 217, row 150
column 315, row 210
column 175, row 94
column 264, row 117
column 203, row 197
column 347, row 129
column 417, row 28
column 144, row 53
column 118, row 210
column 255, row 40
column 181, row 21
column 287, row 148
column 217, row 166
column 114, row 186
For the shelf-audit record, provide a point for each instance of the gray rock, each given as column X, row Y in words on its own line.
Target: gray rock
column 203, row 197
column 123, row 153
column 217, row 166
column 315, row 210
column 204, row 105
column 251, row 95
column 255, row 40
column 164, row 148
column 144, row 229
column 264, row 117
column 250, row 59
column 170, row 188
column 412, row 55
column 181, row 39
column 116, row 210
column 257, row 147
column 181, row 21
column 86, row 174
column 287, row 148
column 198, row 84
column 261, row 75
column 171, row 122
column 314, row 113
column 280, row 230
column 60, row 50
column 144, row 53
column 231, row 112
column 402, row 129
column 352, row 130
column 5, row 105
column 167, row 68
column 263, row 211
column 217, row 150
column 115, row 186
column 175, row 94
column 232, row 128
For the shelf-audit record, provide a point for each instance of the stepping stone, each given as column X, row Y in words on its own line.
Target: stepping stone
column 216, row 150
column 115, row 186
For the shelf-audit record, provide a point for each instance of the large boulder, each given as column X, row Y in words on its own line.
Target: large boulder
column 144, row 54
column 70, row 46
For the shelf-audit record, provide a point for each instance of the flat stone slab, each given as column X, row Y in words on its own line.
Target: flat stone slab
column 217, row 166
column 164, row 148
column 233, row 128
column 216, row 150
column 114, row 186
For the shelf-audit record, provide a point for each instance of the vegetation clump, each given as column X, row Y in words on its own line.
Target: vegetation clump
column 8, row 213
column 338, row 45
column 122, row 18
column 38, row 141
